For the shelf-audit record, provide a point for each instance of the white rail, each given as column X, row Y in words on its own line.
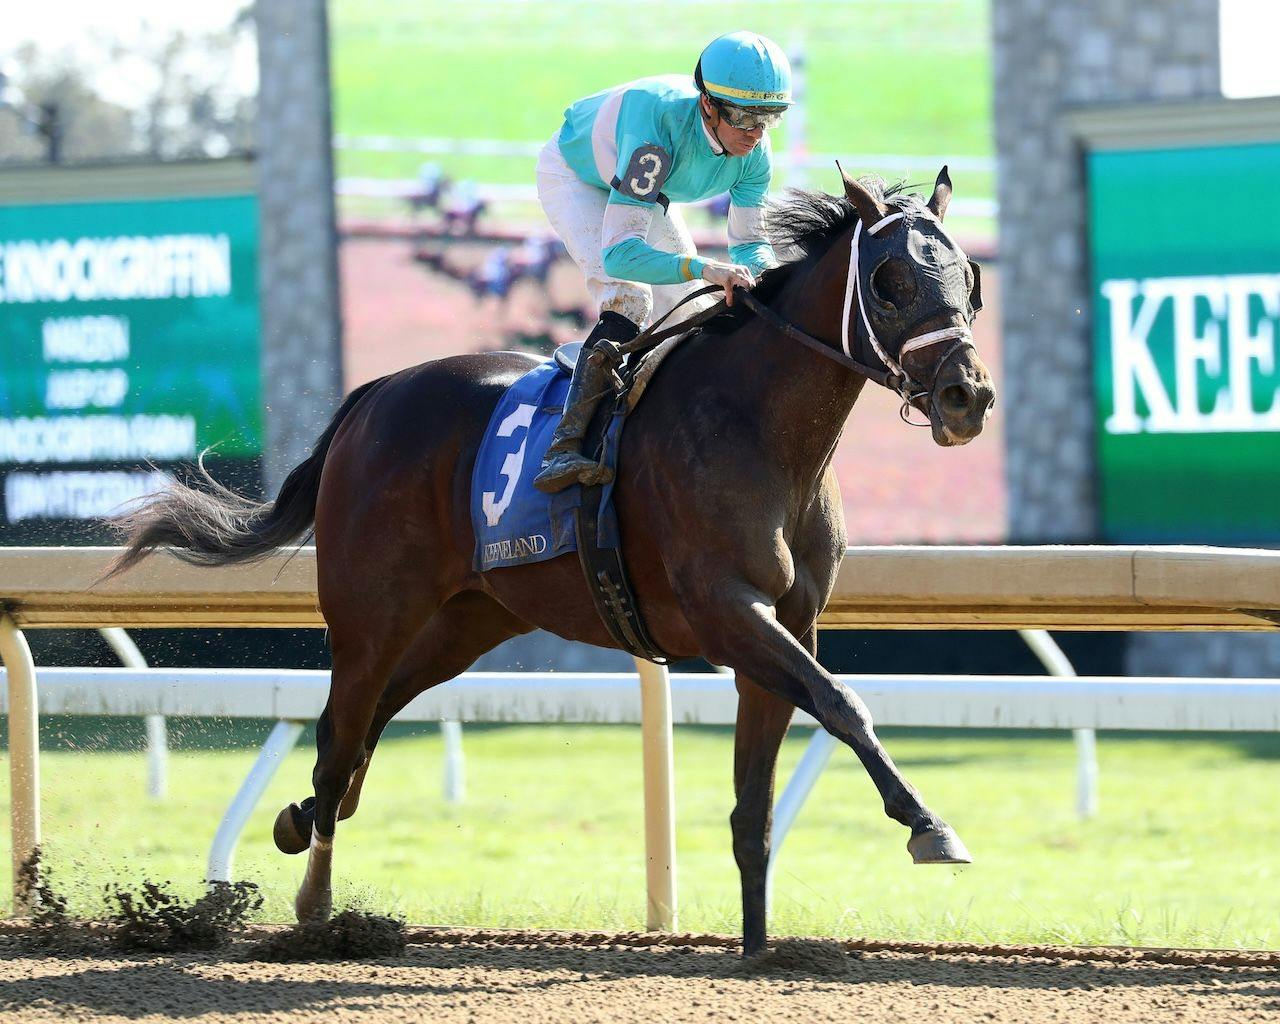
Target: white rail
column 697, row 698
column 406, row 188
column 429, row 146
column 1053, row 587
column 293, row 697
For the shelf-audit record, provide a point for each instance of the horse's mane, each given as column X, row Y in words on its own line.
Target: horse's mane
column 801, row 226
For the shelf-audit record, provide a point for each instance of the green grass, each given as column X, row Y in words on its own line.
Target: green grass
column 1182, row 853
column 910, row 77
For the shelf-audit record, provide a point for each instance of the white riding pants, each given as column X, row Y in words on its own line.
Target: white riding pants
column 576, row 212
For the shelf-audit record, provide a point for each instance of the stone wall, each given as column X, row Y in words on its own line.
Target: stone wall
column 1050, row 56
column 301, row 328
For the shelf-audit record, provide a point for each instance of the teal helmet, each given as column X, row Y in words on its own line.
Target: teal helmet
column 745, row 69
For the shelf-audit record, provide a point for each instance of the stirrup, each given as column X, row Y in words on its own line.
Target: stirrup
column 568, row 468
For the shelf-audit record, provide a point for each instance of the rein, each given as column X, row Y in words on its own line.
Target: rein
column 892, row 376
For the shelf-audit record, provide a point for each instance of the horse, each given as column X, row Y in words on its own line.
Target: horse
column 731, row 517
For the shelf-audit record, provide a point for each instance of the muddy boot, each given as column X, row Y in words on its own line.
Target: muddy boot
column 564, row 464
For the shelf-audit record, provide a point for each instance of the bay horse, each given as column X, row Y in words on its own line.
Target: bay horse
column 730, row 512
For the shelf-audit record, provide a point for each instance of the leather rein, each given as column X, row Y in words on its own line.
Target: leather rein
column 890, row 374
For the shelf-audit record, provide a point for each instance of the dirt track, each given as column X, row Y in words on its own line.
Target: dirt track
column 535, row 978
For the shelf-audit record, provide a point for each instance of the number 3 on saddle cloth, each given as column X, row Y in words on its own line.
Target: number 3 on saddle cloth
column 516, row 524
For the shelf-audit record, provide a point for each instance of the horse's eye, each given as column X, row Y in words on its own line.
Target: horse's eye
column 894, row 284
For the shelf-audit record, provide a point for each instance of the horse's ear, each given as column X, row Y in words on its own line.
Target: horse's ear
column 975, row 293
column 870, row 209
column 941, row 194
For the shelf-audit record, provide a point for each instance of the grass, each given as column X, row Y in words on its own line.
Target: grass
column 910, row 77
column 550, row 835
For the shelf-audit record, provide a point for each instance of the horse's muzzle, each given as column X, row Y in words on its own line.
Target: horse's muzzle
column 962, row 399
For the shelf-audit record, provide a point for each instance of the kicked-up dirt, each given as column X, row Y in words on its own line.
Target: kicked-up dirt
column 445, row 976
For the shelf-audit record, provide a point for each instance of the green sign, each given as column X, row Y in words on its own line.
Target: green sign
column 129, row 343
column 1185, row 249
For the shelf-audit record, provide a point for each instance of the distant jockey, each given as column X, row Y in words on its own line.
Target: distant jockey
column 605, row 181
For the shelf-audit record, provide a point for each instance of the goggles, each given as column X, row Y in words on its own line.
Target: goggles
column 749, row 118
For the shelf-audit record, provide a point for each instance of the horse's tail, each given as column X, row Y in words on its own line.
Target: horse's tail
column 209, row 524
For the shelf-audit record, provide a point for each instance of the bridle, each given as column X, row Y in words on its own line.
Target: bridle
column 891, row 375
column 907, row 387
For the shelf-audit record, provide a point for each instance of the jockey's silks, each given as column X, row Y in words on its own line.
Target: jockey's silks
column 647, row 138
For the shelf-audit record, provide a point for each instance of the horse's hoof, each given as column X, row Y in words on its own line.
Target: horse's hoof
column 938, row 846
column 292, row 831
column 313, row 908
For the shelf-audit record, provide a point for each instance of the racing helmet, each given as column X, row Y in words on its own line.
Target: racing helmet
column 745, row 69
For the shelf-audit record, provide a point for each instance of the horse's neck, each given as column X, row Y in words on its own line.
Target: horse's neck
column 804, row 398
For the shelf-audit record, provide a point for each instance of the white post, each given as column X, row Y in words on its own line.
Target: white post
column 222, row 852
column 659, row 796
column 803, row 779
column 157, row 757
column 1056, row 663
column 24, row 757
column 157, row 732
column 455, row 775
column 1086, row 773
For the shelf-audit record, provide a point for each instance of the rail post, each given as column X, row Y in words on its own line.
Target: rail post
column 24, row 757
column 659, row 796
column 1057, row 664
column 157, row 732
column 282, row 738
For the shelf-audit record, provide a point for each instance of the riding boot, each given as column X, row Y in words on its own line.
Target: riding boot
column 564, row 464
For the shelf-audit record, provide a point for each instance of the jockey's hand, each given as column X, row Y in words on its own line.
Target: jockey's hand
column 729, row 276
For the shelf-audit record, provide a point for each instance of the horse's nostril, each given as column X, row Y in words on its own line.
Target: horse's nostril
column 957, row 398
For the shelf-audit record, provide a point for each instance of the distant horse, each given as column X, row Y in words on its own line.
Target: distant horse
column 731, row 519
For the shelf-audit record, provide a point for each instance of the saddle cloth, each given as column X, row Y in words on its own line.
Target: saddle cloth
column 514, row 522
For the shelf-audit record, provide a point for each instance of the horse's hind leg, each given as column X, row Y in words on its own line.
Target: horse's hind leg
column 366, row 647
column 762, row 723
column 470, row 624
column 467, row 626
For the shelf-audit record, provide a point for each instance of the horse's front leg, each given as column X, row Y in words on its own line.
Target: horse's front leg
column 737, row 627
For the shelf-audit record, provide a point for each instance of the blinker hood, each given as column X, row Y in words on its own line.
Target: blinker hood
column 935, row 262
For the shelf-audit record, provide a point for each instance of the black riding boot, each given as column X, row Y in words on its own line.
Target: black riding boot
column 564, row 463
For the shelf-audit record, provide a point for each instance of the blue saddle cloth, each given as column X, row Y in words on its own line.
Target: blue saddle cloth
column 514, row 522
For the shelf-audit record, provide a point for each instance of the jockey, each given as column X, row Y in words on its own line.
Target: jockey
column 605, row 180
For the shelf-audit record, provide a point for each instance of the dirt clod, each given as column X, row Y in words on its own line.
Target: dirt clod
column 161, row 921
column 53, row 929
column 817, row 958
column 351, row 935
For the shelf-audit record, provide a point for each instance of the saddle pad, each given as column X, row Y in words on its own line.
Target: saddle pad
column 514, row 522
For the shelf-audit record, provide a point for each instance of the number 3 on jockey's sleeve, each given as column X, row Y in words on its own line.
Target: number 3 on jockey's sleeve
column 644, row 174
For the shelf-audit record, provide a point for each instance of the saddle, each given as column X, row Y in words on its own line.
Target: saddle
column 633, row 383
